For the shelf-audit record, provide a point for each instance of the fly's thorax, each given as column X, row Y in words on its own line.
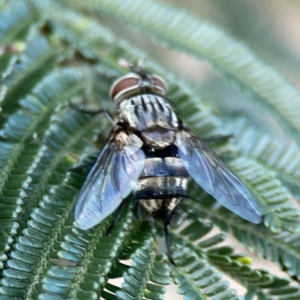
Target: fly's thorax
column 148, row 111
column 152, row 116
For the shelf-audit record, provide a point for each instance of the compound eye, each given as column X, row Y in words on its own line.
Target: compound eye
column 158, row 81
column 122, row 85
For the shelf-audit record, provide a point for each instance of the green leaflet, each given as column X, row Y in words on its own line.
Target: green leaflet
column 16, row 25
column 281, row 247
column 37, row 60
column 34, row 117
column 281, row 212
column 146, row 276
column 94, row 254
column 199, row 261
column 280, row 157
column 7, row 62
column 197, row 280
column 40, row 235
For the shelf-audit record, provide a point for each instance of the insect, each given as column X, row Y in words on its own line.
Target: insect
column 152, row 153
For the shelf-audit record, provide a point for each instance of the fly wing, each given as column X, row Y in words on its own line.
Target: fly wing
column 215, row 177
column 111, row 179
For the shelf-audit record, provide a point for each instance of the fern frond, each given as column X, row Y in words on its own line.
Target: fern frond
column 12, row 186
column 197, row 279
column 146, row 276
column 280, row 211
column 14, row 180
column 37, row 61
column 237, row 266
column 281, row 247
column 260, row 282
column 95, row 256
column 203, row 40
column 7, row 62
column 16, row 20
column 41, row 233
column 279, row 156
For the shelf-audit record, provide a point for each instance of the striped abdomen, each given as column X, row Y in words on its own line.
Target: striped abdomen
column 162, row 183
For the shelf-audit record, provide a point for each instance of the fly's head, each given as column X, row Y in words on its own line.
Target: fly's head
column 137, row 82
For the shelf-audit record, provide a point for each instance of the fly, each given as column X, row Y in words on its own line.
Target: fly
column 152, row 153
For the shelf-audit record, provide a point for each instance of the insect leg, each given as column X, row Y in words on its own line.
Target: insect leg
column 167, row 240
column 166, row 229
column 115, row 219
column 94, row 112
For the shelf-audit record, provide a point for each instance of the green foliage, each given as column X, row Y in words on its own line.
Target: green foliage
column 54, row 54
